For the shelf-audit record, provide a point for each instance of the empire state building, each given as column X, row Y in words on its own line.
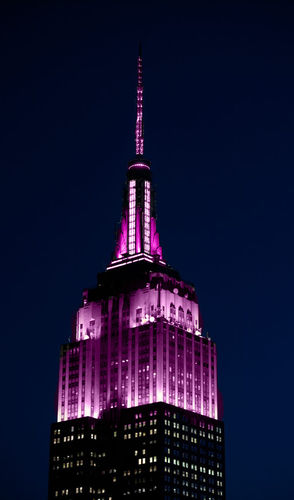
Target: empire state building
column 138, row 411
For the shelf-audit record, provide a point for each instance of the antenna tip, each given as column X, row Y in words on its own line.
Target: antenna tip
column 140, row 49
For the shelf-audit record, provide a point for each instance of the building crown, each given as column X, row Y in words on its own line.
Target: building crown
column 137, row 237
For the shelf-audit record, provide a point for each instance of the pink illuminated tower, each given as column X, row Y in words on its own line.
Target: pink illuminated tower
column 137, row 352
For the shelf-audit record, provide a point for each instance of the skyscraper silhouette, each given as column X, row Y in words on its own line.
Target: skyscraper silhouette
column 138, row 411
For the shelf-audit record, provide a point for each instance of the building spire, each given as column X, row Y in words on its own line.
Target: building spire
column 139, row 122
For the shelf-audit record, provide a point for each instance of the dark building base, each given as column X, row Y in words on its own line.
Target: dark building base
column 153, row 451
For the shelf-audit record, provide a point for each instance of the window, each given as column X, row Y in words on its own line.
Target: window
column 181, row 315
column 172, row 312
column 139, row 315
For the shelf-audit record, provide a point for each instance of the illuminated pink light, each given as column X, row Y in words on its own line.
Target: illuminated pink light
column 183, row 373
column 138, row 231
column 166, row 376
column 122, row 241
column 139, row 122
column 130, row 260
column 132, row 217
column 139, row 165
column 156, row 249
column 147, row 216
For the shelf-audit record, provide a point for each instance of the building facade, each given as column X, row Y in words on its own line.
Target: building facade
column 138, row 373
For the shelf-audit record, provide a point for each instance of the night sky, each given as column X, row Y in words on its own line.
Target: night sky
column 219, row 125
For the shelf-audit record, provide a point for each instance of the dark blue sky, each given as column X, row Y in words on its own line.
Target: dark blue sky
column 219, row 125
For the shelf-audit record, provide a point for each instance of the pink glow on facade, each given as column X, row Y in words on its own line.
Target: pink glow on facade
column 138, row 231
column 157, row 354
column 139, row 122
column 156, row 249
column 122, row 240
column 132, row 216
column 147, row 216
column 138, row 228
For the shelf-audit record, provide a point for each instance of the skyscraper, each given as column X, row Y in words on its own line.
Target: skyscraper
column 138, row 409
